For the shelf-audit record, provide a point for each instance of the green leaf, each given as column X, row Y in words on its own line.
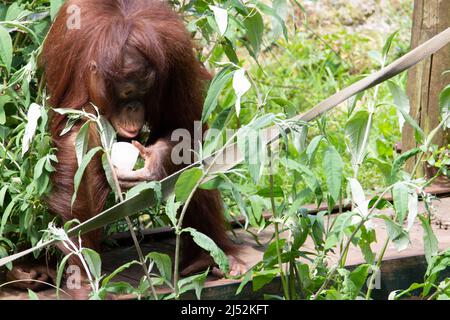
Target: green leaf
column 107, row 279
column 186, row 183
column 109, row 175
column 444, row 102
column 172, row 208
column 397, row 234
column 400, row 162
column 355, row 129
column 205, row 242
column 352, row 101
column 276, row 192
column 355, row 281
column 32, row 295
column 255, row 29
column 82, row 141
column 333, row 167
column 221, row 18
column 278, row 21
column 401, row 103
column 60, row 272
column 163, row 263
column 388, row 44
column 3, row 100
column 155, row 185
column 400, row 195
column 430, row 242
column 93, row 261
column 79, row 174
column 261, row 278
column 6, row 48
column 312, row 147
column 216, row 87
column 195, row 282
column 3, row 191
column 108, row 134
column 55, row 5
column 7, row 213
column 14, row 11
column 246, row 279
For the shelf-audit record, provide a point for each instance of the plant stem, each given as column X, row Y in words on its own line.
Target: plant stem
column 341, row 260
column 378, row 265
column 130, row 227
column 178, row 231
column 439, row 290
column 277, row 231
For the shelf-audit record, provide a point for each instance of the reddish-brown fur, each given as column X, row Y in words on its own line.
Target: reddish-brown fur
column 176, row 102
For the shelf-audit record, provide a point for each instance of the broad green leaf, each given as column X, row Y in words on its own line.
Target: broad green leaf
column 251, row 146
column 396, row 233
column 276, row 192
column 80, row 172
column 278, row 14
column 82, row 141
column 6, row 48
column 205, row 242
column 400, row 162
column 216, row 87
column 333, row 167
column 172, row 209
column 163, row 263
column 400, row 195
column 93, row 261
column 313, row 146
column 430, row 242
column 254, row 26
column 55, row 5
column 358, row 197
column 195, row 282
column 401, row 103
column 261, row 278
column 355, row 129
column 39, row 168
column 14, row 11
column 186, row 183
column 355, row 280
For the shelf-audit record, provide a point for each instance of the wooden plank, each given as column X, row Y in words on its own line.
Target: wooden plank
column 399, row 269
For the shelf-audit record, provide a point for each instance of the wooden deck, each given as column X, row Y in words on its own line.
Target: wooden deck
column 399, row 269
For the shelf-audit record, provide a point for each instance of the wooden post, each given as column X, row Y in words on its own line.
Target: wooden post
column 426, row 80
